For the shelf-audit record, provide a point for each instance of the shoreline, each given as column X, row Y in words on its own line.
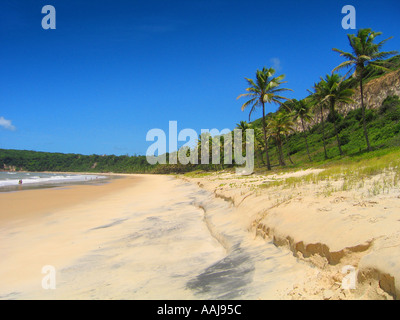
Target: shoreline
column 330, row 231
column 58, row 184
column 37, row 201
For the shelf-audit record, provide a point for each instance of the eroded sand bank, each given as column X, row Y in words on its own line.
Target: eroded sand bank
column 326, row 224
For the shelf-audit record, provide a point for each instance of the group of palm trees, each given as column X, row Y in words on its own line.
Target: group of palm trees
column 326, row 94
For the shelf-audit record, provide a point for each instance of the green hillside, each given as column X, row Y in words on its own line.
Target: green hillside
column 58, row 162
column 383, row 125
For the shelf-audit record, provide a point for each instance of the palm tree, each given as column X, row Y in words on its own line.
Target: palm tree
column 334, row 90
column 316, row 98
column 203, row 146
column 259, row 141
column 286, row 109
column 243, row 125
column 264, row 89
column 365, row 53
column 280, row 125
column 288, row 149
column 302, row 110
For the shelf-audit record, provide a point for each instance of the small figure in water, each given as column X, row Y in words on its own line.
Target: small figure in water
column 20, row 182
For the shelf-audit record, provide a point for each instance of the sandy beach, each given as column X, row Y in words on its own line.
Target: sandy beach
column 137, row 237
column 32, row 203
column 212, row 237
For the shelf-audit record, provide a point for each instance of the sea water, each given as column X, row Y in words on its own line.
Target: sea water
column 10, row 180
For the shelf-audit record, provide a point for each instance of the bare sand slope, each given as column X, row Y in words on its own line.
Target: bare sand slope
column 330, row 229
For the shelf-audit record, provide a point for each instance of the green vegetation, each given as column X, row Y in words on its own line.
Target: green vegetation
column 45, row 161
column 364, row 53
column 265, row 89
column 278, row 126
column 302, row 110
column 352, row 173
column 380, row 128
column 383, row 125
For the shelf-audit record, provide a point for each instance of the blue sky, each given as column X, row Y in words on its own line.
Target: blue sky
column 113, row 70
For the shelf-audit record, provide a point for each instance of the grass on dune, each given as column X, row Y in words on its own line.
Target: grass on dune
column 352, row 173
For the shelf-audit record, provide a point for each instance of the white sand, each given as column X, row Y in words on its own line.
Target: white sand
column 331, row 230
column 142, row 237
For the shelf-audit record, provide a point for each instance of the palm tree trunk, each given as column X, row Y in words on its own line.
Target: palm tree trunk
column 363, row 116
column 305, row 138
column 335, row 127
column 323, row 132
column 265, row 139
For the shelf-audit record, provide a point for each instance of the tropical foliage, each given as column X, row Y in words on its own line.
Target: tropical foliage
column 332, row 91
column 264, row 89
column 302, row 111
column 365, row 53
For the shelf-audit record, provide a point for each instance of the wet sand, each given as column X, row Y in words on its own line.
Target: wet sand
column 33, row 202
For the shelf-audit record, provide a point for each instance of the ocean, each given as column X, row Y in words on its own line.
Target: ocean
column 16, row 180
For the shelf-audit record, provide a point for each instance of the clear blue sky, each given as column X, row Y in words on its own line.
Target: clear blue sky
column 114, row 69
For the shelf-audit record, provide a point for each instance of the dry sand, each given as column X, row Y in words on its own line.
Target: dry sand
column 331, row 230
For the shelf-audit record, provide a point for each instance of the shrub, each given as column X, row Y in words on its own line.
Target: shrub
column 344, row 139
column 370, row 115
column 355, row 114
column 391, row 103
column 347, row 123
column 336, row 116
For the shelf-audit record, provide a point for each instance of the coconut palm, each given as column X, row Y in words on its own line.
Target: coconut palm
column 264, row 89
column 302, row 110
column 364, row 53
column 288, row 149
column 204, row 146
column 243, row 125
column 259, row 142
column 333, row 90
column 279, row 125
column 317, row 100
